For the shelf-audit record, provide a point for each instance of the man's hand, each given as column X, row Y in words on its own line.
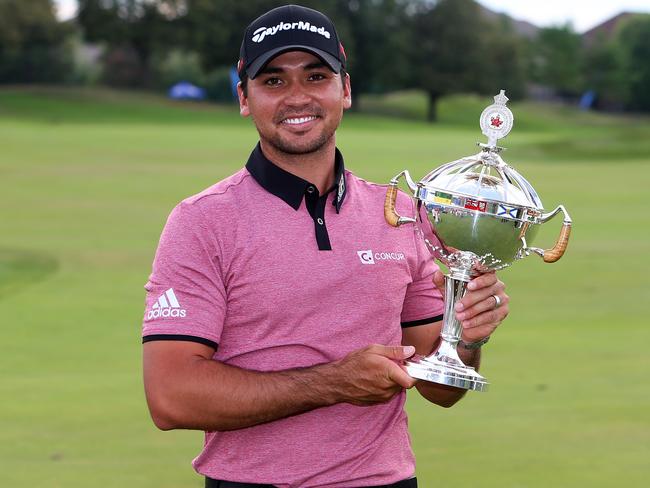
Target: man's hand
column 476, row 310
column 372, row 375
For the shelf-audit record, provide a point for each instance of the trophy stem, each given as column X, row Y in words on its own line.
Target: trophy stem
column 444, row 366
column 451, row 329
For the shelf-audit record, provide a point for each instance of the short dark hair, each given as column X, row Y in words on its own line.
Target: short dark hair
column 244, row 81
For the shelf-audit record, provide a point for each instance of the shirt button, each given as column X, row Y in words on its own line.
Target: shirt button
column 310, row 189
column 320, row 221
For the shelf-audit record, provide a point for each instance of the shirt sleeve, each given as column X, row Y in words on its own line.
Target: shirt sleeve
column 423, row 303
column 186, row 296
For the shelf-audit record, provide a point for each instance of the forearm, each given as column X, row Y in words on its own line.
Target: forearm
column 187, row 389
column 209, row 395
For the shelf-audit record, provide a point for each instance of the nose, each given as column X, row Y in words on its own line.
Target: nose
column 297, row 95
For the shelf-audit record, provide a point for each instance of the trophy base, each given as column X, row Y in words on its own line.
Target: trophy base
column 457, row 375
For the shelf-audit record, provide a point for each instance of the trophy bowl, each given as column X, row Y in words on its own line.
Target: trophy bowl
column 476, row 215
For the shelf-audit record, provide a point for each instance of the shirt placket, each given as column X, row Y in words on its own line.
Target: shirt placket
column 315, row 204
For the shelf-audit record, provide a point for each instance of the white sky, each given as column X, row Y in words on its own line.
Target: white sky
column 583, row 14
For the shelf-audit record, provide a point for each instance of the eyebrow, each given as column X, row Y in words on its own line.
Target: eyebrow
column 310, row 66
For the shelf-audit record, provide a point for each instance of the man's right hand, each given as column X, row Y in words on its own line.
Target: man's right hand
column 373, row 374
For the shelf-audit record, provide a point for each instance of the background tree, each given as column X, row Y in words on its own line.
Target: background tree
column 602, row 72
column 556, row 60
column 438, row 46
column 504, row 53
column 214, row 29
column 134, row 30
column 448, row 50
column 32, row 43
column 634, row 42
column 375, row 36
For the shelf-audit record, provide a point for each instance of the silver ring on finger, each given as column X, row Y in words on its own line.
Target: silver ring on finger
column 497, row 302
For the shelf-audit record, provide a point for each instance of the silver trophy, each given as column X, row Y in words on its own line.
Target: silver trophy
column 476, row 215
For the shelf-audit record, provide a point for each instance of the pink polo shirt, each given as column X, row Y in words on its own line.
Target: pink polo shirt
column 275, row 276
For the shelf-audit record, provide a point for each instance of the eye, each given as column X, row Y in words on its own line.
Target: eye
column 272, row 81
column 316, row 77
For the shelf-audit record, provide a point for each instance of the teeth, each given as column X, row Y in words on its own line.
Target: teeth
column 300, row 120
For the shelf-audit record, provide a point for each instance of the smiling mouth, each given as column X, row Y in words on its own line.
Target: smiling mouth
column 298, row 120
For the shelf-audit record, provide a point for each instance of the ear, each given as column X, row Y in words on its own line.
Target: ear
column 347, row 92
column 244, row 111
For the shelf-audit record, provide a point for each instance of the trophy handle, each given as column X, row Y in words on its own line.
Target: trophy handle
column 557, row 251
column 392, row 217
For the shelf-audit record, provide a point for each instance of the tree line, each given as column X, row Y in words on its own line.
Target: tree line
column 437, row 46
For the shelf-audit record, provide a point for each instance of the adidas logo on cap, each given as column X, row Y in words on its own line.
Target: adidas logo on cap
column 166, row 306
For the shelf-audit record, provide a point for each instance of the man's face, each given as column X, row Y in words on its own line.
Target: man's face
column 296, row 103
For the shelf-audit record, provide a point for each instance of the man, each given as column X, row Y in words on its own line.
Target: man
column 276, row 298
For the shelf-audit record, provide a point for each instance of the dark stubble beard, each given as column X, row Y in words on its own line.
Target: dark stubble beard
column 313, row 146
column 283, row 145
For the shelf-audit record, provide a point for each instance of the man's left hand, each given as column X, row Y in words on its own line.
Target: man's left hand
column 476, row 311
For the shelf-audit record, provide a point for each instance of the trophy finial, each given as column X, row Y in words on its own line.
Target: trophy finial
column 501, row 98
column 496, row 121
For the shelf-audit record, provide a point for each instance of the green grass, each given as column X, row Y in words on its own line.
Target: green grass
column 87, row 179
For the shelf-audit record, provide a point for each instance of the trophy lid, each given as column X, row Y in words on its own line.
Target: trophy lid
column 484, row 182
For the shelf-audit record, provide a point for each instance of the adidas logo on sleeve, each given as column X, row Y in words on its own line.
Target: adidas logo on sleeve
column 166, row 306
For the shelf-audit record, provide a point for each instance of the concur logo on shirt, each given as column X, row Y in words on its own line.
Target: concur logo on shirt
column 368, row 257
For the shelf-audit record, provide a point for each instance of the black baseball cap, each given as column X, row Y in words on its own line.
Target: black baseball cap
column 289, row 28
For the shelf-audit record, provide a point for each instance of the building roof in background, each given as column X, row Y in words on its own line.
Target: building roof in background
column 521, row 27
column 607, row 29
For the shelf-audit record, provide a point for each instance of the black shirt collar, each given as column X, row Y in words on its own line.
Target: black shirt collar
column 288, row 186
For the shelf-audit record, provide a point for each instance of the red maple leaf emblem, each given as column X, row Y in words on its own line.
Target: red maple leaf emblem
column 496, row 121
